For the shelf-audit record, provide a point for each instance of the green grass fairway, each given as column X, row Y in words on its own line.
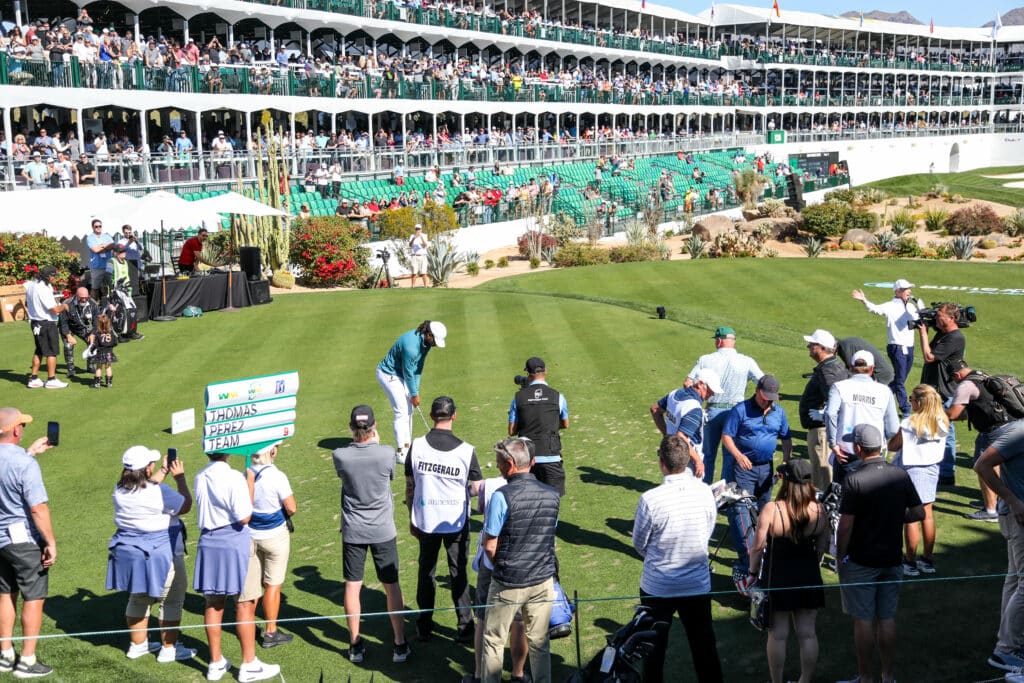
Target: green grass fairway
column 970, row 184
column 608, row 353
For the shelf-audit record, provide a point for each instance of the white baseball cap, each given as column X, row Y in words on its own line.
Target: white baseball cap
column 137, row 457
column 269, row 447
column 863, row 355
column 822, row 338
column 710, row 378
column 901, row 284
column 439, row 331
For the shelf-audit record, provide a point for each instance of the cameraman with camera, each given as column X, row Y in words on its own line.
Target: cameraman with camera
column 538, row 413
column 942, row 355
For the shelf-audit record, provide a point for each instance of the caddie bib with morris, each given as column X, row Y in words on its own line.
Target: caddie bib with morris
column 862, row 403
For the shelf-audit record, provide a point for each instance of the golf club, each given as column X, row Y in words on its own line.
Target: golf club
column 420, row 411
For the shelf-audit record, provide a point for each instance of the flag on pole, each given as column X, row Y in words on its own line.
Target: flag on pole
column 775, row 6
column 931, row 26
column 712, row 11
column 996, row 26
column 643, row 4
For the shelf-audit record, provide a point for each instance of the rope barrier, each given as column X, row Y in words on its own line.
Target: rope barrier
column 576, row 599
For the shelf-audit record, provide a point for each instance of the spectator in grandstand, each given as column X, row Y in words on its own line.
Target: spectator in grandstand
column 673, row 525
column 441, row 471
column 918, row 446
column 368, row 523
column 519, row 540
column 682, row 411
column 734, row 370
column 878, row 500
column 29, row 547
column 36, row 173
column 899, row 313
column 821, row 346
column 273, row 506
column 224, row 507
column 147, row 553
column 793, row 534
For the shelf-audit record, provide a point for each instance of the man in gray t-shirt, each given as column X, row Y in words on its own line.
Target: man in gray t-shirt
column 368, row 522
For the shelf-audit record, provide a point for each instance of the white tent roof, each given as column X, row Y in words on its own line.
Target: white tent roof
column 163, row 210
column 60, row 213
column 739, row 15
column 234, row 203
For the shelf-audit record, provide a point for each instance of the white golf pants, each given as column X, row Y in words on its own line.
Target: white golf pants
column 398, row 396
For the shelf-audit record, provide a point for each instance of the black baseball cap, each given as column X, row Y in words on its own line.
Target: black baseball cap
column 361, row 418
column 443, row 407
column 47, row 272
column 796, row 471
column 534, row 365
column 769, row 386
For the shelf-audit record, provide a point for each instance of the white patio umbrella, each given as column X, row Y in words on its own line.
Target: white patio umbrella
column 162, row 210
column 234, row 203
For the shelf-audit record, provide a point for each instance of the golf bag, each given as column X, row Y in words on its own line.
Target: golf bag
column 122, row 311
column 629, row 649
column 829, row 499
column 560, row 624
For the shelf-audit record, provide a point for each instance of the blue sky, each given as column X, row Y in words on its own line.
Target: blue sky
column 945, row 12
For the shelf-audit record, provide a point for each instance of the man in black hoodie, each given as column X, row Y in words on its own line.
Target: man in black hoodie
column 821, row 346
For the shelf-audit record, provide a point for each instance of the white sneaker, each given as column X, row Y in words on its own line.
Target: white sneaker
column 216, row 670
column 400, row 456
column 257, row 671
column 178, row 653
column 35, row 383
column 55, row 383
column 141, row 650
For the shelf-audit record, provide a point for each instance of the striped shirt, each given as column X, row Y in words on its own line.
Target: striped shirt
column 673, row 525
column 734, row 369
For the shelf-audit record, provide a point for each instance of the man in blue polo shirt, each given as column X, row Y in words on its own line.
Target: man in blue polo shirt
column 750, row 435
column 682, row 412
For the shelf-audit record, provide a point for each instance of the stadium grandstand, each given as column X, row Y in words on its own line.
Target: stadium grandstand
column 387, row 102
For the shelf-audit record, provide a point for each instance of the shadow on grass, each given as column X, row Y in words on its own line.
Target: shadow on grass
column 86, row 611
column 623, row 526
column 332, row 442
column 592, row 475
column 570, row 533
column 13, row 376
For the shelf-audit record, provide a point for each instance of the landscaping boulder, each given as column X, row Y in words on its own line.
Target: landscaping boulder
column 857, row 236
column 710, row 227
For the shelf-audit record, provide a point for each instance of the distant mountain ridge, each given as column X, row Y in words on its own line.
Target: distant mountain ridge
column 1014, row 17
column 901, row 17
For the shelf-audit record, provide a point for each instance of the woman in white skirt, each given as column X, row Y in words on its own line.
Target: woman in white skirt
column 920, row 443
column 146, row 556
column 224, row 507
column 273, row 505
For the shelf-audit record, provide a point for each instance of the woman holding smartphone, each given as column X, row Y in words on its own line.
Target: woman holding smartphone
column 147, row 552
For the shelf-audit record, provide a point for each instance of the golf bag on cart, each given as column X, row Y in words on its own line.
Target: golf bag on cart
column 121, row 310
column 629, row 649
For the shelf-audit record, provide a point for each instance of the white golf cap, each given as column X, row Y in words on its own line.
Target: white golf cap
column 822, row 338
column 439, row 331
column 710, row 378
column 863, row 356
column 901, row 284
column 137, row 457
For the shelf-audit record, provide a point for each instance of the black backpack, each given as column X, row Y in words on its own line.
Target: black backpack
column 1008, row 391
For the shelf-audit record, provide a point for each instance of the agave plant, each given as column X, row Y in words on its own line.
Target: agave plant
column 1014, row 224
column 963, row 247
column 442, row 260
column 887, row 242
column 549, row 255
column 813, row 247
column 695, row 246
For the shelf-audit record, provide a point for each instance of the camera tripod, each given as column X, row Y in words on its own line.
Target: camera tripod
column 383, row 273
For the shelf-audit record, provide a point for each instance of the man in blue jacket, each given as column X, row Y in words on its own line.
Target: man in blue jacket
column 399, row 375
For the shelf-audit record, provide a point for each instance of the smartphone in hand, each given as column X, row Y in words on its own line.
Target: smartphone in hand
column 172, row 455
column 53, row 433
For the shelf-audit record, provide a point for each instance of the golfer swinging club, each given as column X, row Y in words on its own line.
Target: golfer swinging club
column 399, row 375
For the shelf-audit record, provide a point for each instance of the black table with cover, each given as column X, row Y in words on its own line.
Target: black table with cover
column 208, row 292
